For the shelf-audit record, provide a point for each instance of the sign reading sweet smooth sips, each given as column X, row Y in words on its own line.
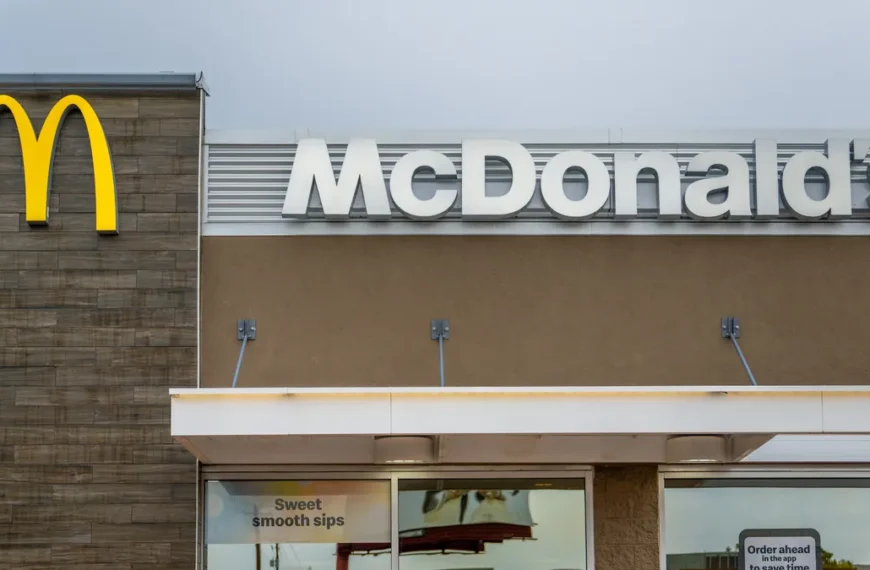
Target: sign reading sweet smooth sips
column 721, row 184
column 253, row 512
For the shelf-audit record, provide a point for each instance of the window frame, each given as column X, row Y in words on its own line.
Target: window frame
column 759, row 471
column 393, row 474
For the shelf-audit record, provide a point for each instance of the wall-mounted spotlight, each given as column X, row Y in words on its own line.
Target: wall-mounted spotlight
column 404, row 449
column 696, row 449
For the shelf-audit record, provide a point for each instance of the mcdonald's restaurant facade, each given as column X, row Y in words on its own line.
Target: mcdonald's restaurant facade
column 246, row 350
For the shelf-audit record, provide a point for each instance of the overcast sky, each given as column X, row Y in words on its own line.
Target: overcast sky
column 477, row 64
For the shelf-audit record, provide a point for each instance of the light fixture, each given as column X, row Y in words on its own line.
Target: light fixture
column 404, row 449
column 696, row 449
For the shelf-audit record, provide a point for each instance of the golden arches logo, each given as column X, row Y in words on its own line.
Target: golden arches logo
column 37, row 152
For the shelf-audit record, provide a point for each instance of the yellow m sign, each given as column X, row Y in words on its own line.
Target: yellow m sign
column 37, row 152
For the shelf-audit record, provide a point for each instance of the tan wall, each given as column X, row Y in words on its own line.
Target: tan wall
column 354, row 311
column 626, row 515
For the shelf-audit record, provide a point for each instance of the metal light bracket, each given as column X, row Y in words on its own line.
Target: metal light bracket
column 246, row 329
column 730, row 329
column 440, row 330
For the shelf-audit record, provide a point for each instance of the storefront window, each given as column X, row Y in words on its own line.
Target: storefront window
column 296, row 525
column 703, row 518
column 504, row 524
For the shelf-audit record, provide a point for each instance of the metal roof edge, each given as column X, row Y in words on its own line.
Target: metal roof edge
column 613, row 136
column 104, row 81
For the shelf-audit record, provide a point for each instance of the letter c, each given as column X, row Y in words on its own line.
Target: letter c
column 401, row 185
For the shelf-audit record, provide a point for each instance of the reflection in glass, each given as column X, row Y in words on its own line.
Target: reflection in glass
column 704, row 517
column 297, row 525
column 507, row 524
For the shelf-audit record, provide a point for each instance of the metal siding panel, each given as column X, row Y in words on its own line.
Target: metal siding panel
column 246, row 183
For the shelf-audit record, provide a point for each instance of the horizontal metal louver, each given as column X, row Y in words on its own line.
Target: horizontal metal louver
column 246, row 183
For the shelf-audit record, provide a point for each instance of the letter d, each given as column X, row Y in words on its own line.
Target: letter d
column 476, row 205
column 836, row 165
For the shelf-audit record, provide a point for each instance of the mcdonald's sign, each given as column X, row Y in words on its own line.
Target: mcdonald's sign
column 37, row 152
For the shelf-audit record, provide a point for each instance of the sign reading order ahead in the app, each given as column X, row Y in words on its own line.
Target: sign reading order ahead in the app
column 780, row 549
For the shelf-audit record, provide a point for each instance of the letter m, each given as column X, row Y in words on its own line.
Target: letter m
column 312, row 168
column 37, row 155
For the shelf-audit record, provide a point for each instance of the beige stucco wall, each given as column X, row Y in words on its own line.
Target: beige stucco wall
column 626, row 510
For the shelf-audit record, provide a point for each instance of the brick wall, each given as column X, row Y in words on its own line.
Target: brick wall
column 625, row 502
column 93, row 331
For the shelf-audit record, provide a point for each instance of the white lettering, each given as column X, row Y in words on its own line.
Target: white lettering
column 553, row 191
column 835, row 163
column 736, row 182
column 476, row 205
column 667, row 172
column 766, row 179
column 721, row 185
column 312, row 168
column 401, row 185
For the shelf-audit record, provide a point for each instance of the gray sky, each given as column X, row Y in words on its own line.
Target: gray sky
column 476, row 64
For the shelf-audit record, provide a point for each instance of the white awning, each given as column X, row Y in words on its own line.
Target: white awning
column 813, row 449
column 504, row 425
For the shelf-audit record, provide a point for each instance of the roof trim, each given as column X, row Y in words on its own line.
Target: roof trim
column 502, row 390
column 659, row 138
column 103, row 81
